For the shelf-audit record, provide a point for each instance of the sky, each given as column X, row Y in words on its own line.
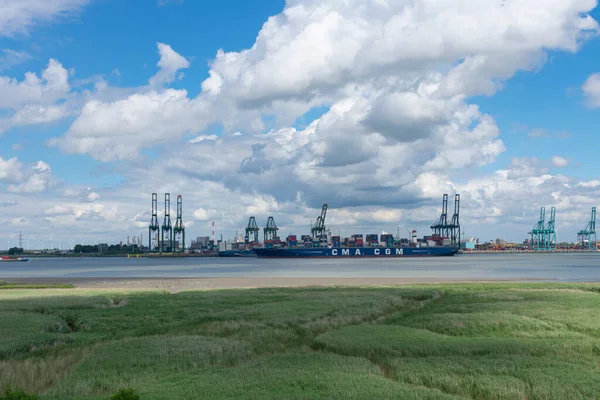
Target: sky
column 272, row 108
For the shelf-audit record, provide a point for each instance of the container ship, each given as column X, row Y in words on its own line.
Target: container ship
column 9, row 258
column 444, row 241
column 384, row 245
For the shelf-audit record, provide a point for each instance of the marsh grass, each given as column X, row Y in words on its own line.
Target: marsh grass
column 496, row 341
column 6, row 285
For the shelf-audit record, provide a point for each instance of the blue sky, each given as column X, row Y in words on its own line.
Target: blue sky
column 539, row 114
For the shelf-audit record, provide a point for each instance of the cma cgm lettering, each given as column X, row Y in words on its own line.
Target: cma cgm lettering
column 355, row 252
column 376, row 252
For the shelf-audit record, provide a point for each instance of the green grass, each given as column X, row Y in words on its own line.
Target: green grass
column 478, row 341
column 6, row 285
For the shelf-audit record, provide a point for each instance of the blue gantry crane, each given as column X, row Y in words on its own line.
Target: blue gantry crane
column 537, row 232
column 166, row 229
column 251, row 229
column 543, row 234
column 318, row 228
column 270, row 229
column 154, row 227
column 550, row 231
column 588, row 234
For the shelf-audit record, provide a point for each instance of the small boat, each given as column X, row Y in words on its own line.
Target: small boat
column 13, row 258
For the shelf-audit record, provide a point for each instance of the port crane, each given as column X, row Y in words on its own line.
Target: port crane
column 251, row 229
column 154, row 227
column 166, row 232
column 550, row 231
column 271, row 229
column 179, row 229
column 454, row 225
column 319, row 227
column 440, row 227
column 589, row 233
column 538, row 230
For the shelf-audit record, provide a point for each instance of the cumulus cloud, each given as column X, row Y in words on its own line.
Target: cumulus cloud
column 591, row 90
column 47, row 89
column 37, row 180
column 119, row 130
column 10, row 170
column 34, row 99
column 312, row 46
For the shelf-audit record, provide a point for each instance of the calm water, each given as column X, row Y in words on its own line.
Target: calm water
column 547, row 267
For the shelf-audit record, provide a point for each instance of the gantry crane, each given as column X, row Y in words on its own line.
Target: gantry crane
column 271, row 229
column 251, row 229
column 154, row 227
column 589, row 233
column 550, row 231
column 319, row 227
column 179, row 229
column 441, row 227
column 537, row 232
column 167, row 229
column 454, row 225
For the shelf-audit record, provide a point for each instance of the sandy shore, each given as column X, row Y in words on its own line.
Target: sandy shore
column 180, row 284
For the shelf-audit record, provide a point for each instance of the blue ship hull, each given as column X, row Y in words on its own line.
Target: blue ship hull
column 237, row 253
column 356, row 252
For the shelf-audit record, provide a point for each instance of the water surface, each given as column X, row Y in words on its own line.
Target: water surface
column 546, row 267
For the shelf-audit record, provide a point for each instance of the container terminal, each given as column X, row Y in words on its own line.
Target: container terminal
column 445, row 233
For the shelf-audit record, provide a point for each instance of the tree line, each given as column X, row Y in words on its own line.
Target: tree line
column 104, row 248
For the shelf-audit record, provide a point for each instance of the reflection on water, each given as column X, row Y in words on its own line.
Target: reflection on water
column 561, row 267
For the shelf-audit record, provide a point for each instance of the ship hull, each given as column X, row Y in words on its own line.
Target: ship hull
column 13, row 259
column 355, row 252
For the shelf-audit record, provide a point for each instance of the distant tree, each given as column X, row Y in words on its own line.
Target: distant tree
column 15, row 250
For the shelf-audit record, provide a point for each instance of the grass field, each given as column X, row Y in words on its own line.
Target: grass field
column 476, row 341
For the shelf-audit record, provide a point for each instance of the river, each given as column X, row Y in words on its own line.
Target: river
column 573, row 267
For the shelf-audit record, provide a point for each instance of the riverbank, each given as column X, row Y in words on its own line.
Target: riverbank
column 528, row 251
column 175, row 285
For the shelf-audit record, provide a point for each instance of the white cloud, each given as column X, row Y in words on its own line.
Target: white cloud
column 18, row 16
column 203, row 137
column 559, row 161
column 47, row 89
column 119, row 130
column 591, row 90
column 10, row 170
column 34, row 99
column 169, row 64
column 37, row 180
column 37, row 114
column 314, row 45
